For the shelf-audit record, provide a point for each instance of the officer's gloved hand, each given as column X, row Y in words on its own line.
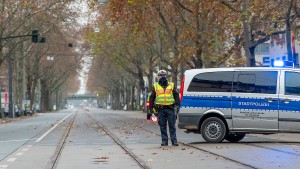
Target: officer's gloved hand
column 151, row 111
column 176, row 109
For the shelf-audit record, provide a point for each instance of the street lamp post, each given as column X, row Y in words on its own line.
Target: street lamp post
column 10, row 104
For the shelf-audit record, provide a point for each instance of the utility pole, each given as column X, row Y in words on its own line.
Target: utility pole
column 10, row 104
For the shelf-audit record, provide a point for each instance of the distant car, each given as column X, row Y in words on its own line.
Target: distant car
column 17, row 111
column 27, row 111
column 8, row 114
column 37, row 108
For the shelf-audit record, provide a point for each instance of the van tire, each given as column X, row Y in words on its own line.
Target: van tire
column 213, row 130
column 234, row 137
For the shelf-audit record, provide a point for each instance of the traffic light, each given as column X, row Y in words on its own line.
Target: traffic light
column 35, row 36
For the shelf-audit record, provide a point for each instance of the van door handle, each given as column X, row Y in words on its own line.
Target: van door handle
column 270, row 99
column 285, row 100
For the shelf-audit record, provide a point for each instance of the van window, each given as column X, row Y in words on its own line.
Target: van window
column 212, row 82
column 292, row 83
column 255, row 82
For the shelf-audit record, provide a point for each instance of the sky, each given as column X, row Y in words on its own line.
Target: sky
column 84, row 19
column 83, row 75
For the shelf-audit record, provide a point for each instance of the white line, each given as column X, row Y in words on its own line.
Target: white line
column 25, row 149
column 17, row 140
column 45, row 134
column 3, row 166
column 19, row 154
column 29, row 146
column 11, row 159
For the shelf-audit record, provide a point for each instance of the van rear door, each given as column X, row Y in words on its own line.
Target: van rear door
column 289, row 101
column 254, row 100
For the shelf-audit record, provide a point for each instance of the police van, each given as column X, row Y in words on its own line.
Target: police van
column 228, row 103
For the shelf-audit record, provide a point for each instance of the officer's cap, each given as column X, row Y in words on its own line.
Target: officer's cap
column 162, row 73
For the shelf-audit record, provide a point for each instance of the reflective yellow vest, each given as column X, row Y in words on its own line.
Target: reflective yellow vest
column 164, row 97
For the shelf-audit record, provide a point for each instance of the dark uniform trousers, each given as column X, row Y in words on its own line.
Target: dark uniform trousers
column 167, row 116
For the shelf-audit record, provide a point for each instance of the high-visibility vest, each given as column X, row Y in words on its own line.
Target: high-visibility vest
column 164, row 97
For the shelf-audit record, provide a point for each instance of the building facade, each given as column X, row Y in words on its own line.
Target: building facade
column 276, row 49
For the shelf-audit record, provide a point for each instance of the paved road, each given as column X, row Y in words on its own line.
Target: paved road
column 100, row 138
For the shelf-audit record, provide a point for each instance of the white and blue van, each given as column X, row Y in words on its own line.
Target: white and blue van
column 228, row 103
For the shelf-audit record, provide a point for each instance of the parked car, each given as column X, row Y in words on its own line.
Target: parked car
column 17, row 111
column 26, row 110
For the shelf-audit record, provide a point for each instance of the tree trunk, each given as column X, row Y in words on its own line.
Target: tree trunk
column 247, row 35
column 252, row 54
column 32, row 97
column 289, row 40
column 56, row 100
column 128, row 97
column 132, row 97
column 288, row 31
column 44, row 96
column 174, row 75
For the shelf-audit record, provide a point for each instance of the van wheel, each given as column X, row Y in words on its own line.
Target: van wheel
column 213, row 130
column 235, row 137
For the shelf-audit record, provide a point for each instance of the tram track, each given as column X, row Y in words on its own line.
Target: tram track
column 135, row 123
column 139, row 161
column 247, row 165
column 197, row 148
column 60, row 147
column 209, row 152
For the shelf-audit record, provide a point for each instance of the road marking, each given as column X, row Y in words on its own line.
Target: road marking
column 11, row 159
column 19, row 154
column 17, row 140
column 25, row 149
column 45, row 134
column 29, row 146
column 3, row 166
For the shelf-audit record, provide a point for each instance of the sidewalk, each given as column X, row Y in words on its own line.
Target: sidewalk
column 4, row 121
column 9, row 119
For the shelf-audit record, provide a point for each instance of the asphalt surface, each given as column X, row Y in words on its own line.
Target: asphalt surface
column 100, row 138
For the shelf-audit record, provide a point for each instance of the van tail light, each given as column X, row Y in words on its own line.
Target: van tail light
column 181, row 88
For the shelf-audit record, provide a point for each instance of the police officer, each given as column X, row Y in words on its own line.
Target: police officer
column 165, row 98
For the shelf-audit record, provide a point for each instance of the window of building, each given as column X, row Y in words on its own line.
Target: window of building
column 292, row 83
column 262, row 49
column 255, row 82
column 212, row 82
